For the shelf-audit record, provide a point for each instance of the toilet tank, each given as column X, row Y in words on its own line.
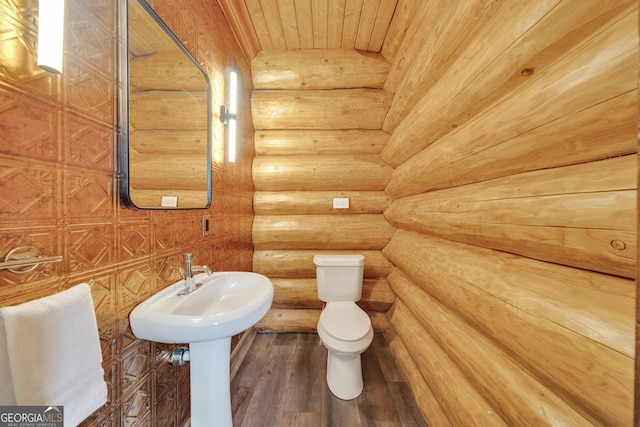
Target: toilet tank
column 339, row 277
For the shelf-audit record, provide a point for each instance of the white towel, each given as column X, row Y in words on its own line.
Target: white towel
column 7, row 395
column 54, row 353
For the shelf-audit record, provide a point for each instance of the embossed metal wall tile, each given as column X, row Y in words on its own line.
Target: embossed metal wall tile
column 58, row 192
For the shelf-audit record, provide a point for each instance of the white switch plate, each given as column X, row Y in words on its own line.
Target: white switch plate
column 169, row 201
column 340, row 203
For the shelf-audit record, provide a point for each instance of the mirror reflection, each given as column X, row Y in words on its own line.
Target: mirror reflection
column 165, row 153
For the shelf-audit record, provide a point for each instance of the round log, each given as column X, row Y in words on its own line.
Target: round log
column 600, row 132
column 303, row 293
column 166, row 71
column 353, row 232
column 518, row 397
column 561, row 215
column 318, row 69
column 318, row 202
column 312, row 142
column 319, row 109
column 459, row 399
column 299, row 263
column 612, row 72
column 155, row 110
column 306, row 320
column 424, row 397
column 583, row 352
column 319, row 173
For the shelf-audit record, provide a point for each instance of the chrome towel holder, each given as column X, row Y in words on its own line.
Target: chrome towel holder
column 25, row 259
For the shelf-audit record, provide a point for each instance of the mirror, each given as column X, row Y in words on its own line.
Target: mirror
column 164, row 147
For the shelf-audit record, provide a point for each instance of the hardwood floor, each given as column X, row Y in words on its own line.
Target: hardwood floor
column 281, row 382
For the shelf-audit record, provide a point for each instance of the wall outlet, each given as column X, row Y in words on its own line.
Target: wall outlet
column 205, row 225
column 340, row 203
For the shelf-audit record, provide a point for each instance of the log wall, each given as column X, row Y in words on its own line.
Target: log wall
column 318, row 117
column 513, row 141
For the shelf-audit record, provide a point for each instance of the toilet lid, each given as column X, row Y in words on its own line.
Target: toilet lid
column 345, row 321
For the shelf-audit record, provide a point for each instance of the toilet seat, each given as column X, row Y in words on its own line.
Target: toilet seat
column 345, row 321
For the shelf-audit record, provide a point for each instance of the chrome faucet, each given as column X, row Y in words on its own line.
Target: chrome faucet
column 189, row 271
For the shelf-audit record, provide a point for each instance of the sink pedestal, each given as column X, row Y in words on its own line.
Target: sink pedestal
column 210, row 385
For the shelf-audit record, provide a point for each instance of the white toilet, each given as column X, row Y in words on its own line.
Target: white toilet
column 344, row 328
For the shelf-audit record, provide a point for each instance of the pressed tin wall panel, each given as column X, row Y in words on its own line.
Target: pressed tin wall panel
column 28, row 190
column 90, row 144
column 31, row 125
column 58, row 192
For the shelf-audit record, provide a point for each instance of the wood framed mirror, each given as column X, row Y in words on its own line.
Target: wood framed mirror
column 164, row 138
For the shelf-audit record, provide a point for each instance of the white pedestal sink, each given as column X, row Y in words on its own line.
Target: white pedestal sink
column 225, row 304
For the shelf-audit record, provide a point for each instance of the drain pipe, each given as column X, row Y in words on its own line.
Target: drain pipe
column 178, row 357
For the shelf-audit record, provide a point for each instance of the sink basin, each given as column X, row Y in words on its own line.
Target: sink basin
column 225, row 304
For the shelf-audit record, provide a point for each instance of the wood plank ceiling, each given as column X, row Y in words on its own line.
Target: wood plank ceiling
column 309, row 24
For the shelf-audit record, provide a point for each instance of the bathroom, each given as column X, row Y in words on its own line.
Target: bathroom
column 479, row 207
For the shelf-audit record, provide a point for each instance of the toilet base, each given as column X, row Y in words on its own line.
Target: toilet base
column 344, row 375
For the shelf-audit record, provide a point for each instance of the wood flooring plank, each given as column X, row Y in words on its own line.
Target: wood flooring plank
column 249, row 371
column 388, row 365
column 309, row 366
column 266, row 406
column 375, row 403
column 301, row 419
column 286, row 340
column 239, row 352
column 247, row 375
column 240, row 397
column 337, row 412
column 409, row 414
column 282, row 382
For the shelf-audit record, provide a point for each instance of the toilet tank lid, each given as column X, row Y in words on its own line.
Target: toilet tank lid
column 338, row 260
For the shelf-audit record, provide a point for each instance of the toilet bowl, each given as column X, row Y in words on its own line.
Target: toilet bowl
column 346, row 332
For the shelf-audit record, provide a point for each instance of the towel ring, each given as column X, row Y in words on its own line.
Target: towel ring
column 25, row 259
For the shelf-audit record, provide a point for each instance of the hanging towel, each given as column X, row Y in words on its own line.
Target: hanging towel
column 54, row 353
column 7, row 395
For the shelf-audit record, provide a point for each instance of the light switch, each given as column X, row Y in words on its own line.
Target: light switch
column 169, row 201
column 205, row 225
column 340, row 203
